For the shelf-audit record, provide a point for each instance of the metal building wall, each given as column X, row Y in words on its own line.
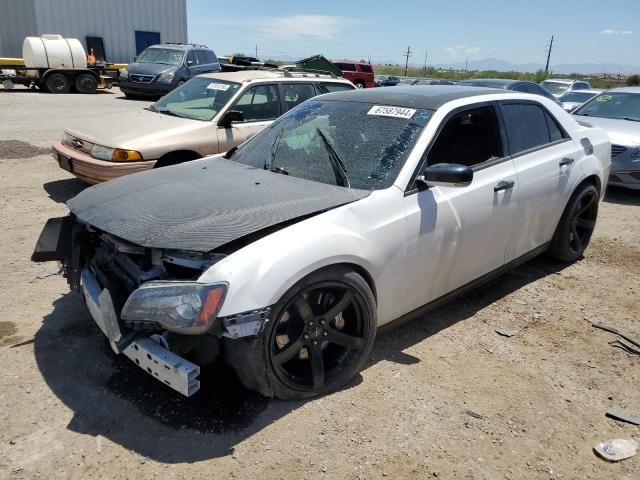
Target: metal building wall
column 17, row 20
column 114, row 20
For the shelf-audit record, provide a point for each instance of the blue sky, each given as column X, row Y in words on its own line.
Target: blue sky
column 451, row 31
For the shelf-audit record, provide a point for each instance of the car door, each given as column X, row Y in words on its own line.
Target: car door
column 191, row 64
column 458, row 234
column 544, row 157
column 260, row 105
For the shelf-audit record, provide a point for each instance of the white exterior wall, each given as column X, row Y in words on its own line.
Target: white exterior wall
column 114, row 20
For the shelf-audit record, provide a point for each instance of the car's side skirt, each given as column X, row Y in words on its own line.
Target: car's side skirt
column 418, row 312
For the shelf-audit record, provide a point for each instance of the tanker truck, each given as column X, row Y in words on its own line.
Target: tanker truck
column 56, row 64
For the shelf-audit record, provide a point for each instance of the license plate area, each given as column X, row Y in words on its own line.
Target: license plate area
column 65, row 162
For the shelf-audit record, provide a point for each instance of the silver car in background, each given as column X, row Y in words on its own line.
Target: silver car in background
column 560, row 86
column 617, row 111
column 574, row 98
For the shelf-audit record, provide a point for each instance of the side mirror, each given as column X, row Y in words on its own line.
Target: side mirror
column 190, row 62
column 446, row 175
column 135, row 59
column 231, row 116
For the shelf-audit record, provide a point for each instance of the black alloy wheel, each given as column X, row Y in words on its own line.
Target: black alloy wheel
column 321, row 336
column 575, row 228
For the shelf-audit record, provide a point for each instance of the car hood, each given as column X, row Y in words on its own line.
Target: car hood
column 621, row 132
column 133, row 130
column 203, row 204
column 150, row 68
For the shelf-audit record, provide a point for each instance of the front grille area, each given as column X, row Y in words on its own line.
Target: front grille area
column 617, row 150
column 141, row 78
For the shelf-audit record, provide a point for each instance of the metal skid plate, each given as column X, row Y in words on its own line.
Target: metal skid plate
column 164, row 365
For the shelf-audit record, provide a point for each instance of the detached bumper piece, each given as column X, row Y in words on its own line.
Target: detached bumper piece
column 166, row 366
column 158, row 361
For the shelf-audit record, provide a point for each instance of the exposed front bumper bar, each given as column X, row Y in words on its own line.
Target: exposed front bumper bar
column 159, row 362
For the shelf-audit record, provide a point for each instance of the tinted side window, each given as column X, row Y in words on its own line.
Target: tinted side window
column 533, row 88
column 468, row 138
column 296, row 93
column 336, row 87
column 209, row 57
column 202, row 60
column 347, row 67
column 366, row 68
column 259, row 103
column 555, row 131
column 526, row 126
column 520, row 87
column 191, row 57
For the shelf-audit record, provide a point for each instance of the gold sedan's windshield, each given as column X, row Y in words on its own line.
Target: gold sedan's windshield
column 198, row 99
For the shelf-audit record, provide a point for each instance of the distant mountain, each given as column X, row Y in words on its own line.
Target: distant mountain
column 505, row 66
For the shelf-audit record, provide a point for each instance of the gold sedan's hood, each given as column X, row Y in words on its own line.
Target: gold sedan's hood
column 150, row 133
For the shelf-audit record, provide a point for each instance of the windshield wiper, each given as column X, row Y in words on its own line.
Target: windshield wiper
column 230, row 153
column 166, row 111
column 268, row 162
column 339, row 168
column 631, row 119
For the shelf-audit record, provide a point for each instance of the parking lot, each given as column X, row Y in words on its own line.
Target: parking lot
column 444, row 396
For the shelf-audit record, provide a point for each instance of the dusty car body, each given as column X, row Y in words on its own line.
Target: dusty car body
column 353, row 210
column 574, row 98
column 617, row 112
column 190, row 122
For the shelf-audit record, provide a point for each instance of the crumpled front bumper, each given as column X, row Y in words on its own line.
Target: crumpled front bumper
column 150, row 355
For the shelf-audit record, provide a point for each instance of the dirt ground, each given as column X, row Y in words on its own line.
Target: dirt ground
column 70, row 409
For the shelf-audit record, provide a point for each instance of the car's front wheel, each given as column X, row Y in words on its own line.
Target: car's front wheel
column 576, row 225
column 318, row 338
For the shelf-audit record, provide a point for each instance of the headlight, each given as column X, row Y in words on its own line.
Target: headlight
column 101, row 153
column 124, row 73
column 183, row 307
column 66, row 139
column 114, row 154
column 166, row 77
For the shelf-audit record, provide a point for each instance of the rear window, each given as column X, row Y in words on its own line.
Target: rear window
column 209, row 57
column 366, row 68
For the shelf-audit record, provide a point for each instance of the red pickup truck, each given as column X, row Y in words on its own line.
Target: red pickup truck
column 360, row 74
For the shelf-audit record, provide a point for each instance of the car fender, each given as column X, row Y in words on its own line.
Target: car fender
column 260, row 273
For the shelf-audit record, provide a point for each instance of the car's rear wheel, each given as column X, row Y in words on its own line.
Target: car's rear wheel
column 320, row 335
column 359, row 84
column 576, row 225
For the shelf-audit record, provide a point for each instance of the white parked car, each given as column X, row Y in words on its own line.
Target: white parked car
column 353, row 210
column 560, row 86
column 574, row 98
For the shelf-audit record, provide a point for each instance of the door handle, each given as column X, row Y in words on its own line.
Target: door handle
column 566, row 161
column 504, row 186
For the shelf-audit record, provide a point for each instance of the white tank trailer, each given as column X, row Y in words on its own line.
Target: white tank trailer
column 56, row 64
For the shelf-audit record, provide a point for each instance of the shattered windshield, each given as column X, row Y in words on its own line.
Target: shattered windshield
column 168, row 56
column 351, row 144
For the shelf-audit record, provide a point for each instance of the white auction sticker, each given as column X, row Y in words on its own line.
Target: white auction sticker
column 387, row 111
column 218, row 86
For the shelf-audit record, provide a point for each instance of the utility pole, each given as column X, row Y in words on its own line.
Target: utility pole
column 426, row 54
column 466, row 64
column 407, row 54
column 256, row 50
column 546, row 68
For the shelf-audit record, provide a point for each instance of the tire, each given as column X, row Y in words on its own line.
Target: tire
column 576, row 225
column 131, row 96
column 320, row 335
column 58, row 83
column 359, row 84
column 86, row 83
column 175, row 159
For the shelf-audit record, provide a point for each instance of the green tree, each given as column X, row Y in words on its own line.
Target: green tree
column 633, row 80
column 541, row 76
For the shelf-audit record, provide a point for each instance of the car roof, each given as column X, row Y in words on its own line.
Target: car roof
column 254, row 75
column 498, row 82
column 430, row 97
column 626, row 90
column 586, row 90
column 179, row 46
column 563, row 80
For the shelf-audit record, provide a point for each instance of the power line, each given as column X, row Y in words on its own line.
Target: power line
column 546, row 68
column 406, row 54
